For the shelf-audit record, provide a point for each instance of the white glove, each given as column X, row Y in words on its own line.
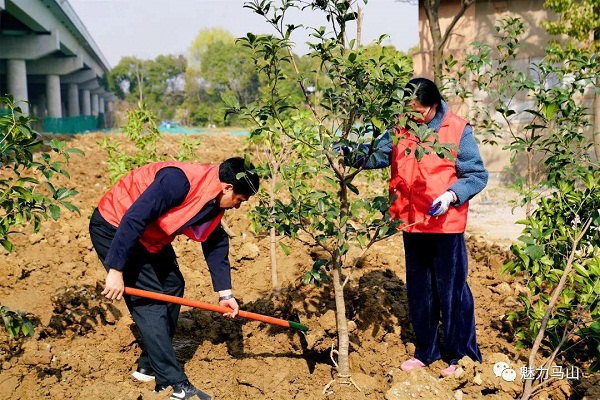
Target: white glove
column 441, row 204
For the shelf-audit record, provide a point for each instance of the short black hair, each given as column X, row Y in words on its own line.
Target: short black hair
column 246, row 184
column 423, row 90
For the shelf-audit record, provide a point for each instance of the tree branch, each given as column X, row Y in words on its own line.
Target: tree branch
column 528, row 389
column 464, row 5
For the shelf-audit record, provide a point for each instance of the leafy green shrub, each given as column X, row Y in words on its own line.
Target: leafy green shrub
column 16, row 323
column 542, row 111
column 561, row 238
column 18, row 328
column 27, row 184
column 142, row 131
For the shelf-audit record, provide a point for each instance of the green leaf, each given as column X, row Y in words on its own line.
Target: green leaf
column 319, row 263
column 285, row 248
column 306, row 278
column 549, row 110
column 27, row 326
column 595, row 326
column 527, row 239
column 361, row 240
column 7, row 245
column 75, row 151
column 581, row 270
column 54, row 211
column 323, row 277
column 27, row 179
column 535, row 252
column 353, row 188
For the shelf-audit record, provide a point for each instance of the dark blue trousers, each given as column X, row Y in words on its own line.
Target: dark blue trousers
column 437, row 290
column 155, row 320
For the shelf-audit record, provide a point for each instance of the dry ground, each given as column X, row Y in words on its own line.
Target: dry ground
column 86, row 348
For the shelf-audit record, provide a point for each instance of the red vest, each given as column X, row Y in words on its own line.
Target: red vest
column 415, row 184
column 204, row 186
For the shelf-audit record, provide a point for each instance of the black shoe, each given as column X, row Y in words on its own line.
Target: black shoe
column 185, row 390
column 143, row 375
column 160, row 388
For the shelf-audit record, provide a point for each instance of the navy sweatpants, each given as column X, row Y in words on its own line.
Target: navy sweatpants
column 156, row 321
column 437, row 290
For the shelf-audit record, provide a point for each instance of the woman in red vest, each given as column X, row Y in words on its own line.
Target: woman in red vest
column 132, row 229
column 436, row 191
column 431, row 197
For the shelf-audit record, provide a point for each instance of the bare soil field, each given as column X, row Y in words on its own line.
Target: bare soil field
column 86, row 348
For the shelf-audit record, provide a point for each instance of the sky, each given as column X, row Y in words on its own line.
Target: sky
column 148, row 28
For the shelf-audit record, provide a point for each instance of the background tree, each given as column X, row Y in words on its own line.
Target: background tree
column 195, row 85
column 165, row 90
column 580, row 20
column 217, row 66
column 439, row 39
column 158, row 83
column 229, row 70
column 128, row 78
column 205, row 38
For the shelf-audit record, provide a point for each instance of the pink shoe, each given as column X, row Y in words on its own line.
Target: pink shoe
column 449, row 370
column 408, row 365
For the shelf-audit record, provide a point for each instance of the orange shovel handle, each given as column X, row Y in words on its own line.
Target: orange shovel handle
column 211, row 307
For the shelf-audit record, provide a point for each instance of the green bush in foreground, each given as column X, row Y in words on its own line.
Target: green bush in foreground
column 28, row 191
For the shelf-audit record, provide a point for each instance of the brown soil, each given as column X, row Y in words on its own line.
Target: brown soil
column 85, row 347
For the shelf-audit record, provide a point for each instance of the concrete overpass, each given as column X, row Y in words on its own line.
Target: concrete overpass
column 47, row 57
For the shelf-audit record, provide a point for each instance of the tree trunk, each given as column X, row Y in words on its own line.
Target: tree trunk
column 438, row 41
column 438, row 55
column 343, row 367
column 596, row 132
column 529, row 155
column 431, row 10
column 140, row 79
column 273, row 233
column 359, row 22
column 272, row 248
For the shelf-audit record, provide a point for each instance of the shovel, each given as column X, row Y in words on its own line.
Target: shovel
column 211, row 307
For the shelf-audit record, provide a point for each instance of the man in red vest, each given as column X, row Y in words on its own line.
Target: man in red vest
column 132, row 229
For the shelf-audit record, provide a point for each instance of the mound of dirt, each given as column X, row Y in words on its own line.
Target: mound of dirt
column 86, row 347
